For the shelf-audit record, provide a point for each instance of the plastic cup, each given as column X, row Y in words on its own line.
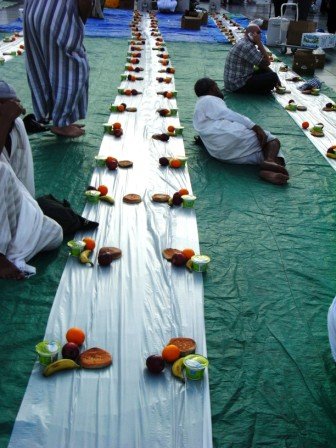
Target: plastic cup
column 318, row 127
column 315, row 91
column 123, row 77
column 173, row 112
column 47, row 352
column 121, row 90
column 2, row 61
column 100, row 161
column 113, row 107
column 292, row 107
column 182, row 159
column 179, row 130
column 195, row 366
column 188, row 201
column 281, row 89
column 76, row 247
column 107, row 128
column 200, row 263
column 92, row 196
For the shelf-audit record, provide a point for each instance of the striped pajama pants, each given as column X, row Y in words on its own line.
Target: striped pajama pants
column 56, row 62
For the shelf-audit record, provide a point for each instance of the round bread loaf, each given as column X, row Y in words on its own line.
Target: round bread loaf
column 187, row 346
column 125, row 164
column 160, row 197
column 132, row 199
column 168, row 253
column 95, row 358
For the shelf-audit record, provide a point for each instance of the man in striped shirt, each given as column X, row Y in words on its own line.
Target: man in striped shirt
column 57, row 66
column 239, row 73
column 24, row 230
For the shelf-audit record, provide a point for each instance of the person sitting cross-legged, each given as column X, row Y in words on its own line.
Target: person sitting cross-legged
column 24, row 229
column 234, row 138
column 246, row 55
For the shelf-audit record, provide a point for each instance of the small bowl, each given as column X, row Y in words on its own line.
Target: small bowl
column 92, row 196
column 200, row 263
column 100, row 161
column 76, row 247
column 188, row 201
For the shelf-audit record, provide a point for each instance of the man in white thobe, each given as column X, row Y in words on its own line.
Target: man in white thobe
column 234, row 138
column 24, row 230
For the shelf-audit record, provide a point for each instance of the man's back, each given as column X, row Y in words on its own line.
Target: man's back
column 239, row 64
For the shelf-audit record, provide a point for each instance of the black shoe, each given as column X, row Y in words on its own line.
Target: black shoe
column 88, row 225
column 32, row 126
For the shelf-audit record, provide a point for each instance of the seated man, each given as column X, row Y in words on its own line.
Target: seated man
column 24, row 230
column 332, row 328
column 234, row 138
column 239, row 73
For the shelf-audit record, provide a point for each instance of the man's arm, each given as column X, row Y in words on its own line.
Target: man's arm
column 265, row 62
column 9, row 111
column 85, row 8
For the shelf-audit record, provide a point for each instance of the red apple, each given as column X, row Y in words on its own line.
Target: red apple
column 70, row 350
column 155, row 363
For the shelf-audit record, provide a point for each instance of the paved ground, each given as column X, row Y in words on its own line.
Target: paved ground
column 327, row 74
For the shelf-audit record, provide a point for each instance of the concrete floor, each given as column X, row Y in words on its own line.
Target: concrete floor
column 327, row 74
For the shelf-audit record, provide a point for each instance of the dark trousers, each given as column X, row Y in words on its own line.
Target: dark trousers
column 277, row 7
column 304, row 7
column 262, row 81
column 331, row 22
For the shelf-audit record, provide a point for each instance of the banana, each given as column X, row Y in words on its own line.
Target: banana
column 58, row 366
column 178, row 369
column 189, row 264
column 107, row 198
column 84, row 257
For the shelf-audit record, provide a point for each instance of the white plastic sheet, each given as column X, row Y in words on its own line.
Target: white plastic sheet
column 7, row 47
column 131, row 309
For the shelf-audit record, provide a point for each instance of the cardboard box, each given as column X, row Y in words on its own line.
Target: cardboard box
column 191, row 23
column 126, row 4
column 319, row 60
column 318, row 40
column 296, row 29
column 304, row 62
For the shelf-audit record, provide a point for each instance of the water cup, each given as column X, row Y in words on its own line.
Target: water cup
column 76, row 247
column 292, row 107
column 47, row 352
column 195, row 366
column 121, row 90
column 200, row 263
column 182, row 159
column 318, row 127
column 179, row 130
column 100, row 161
column 2, row 60
column 315, row 92
column 281, row 89
column 92, row 196
column 173, row 112
column 123, row 77
column 114, row 107
column 188, row 200
column 107, row 128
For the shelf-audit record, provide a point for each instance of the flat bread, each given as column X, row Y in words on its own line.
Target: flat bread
column 186, row 345
column 317, row 134
column 160, row 198
column 301, row 108
column 329, row 109
column 168, row 253
column 125, row 164
column 131, row 109
column 95, row 358
column 132, row 199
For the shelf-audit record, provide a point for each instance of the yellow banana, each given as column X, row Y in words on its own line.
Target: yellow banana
column 189, row 264
column 58, row 366
column 178, row 368
column 107, row 198
column 84, row 257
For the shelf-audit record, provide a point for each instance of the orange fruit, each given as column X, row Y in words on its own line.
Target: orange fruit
column 169, row 95
column 305, row 125
column 128, row 92
column 116, row 126
column 171, row 129
column 121, row 108
column 90, row 243
column 183, row 191
column 175, row 163
column 75, row 335
column 188, row 253
column 103, row 190
column 171, row 353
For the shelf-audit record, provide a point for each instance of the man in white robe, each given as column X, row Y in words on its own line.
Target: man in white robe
column 332, row 328
column 24, row 230
column 234, row 138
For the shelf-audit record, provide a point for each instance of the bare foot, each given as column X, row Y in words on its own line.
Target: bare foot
column 70, row 131
column 78, row 125
column 274, row 178
column 8, row 270
column 273, row 166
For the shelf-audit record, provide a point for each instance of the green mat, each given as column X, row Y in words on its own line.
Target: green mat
column 272, row 276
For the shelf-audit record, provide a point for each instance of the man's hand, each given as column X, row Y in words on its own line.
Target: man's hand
column 261, row 136
column 85, row 8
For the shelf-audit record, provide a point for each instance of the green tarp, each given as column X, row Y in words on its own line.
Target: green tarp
column 272, row 275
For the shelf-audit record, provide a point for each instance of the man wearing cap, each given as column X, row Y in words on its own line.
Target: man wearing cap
column 56, row 62
column 239, row 71
column 234, row 138
column 24, row 230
